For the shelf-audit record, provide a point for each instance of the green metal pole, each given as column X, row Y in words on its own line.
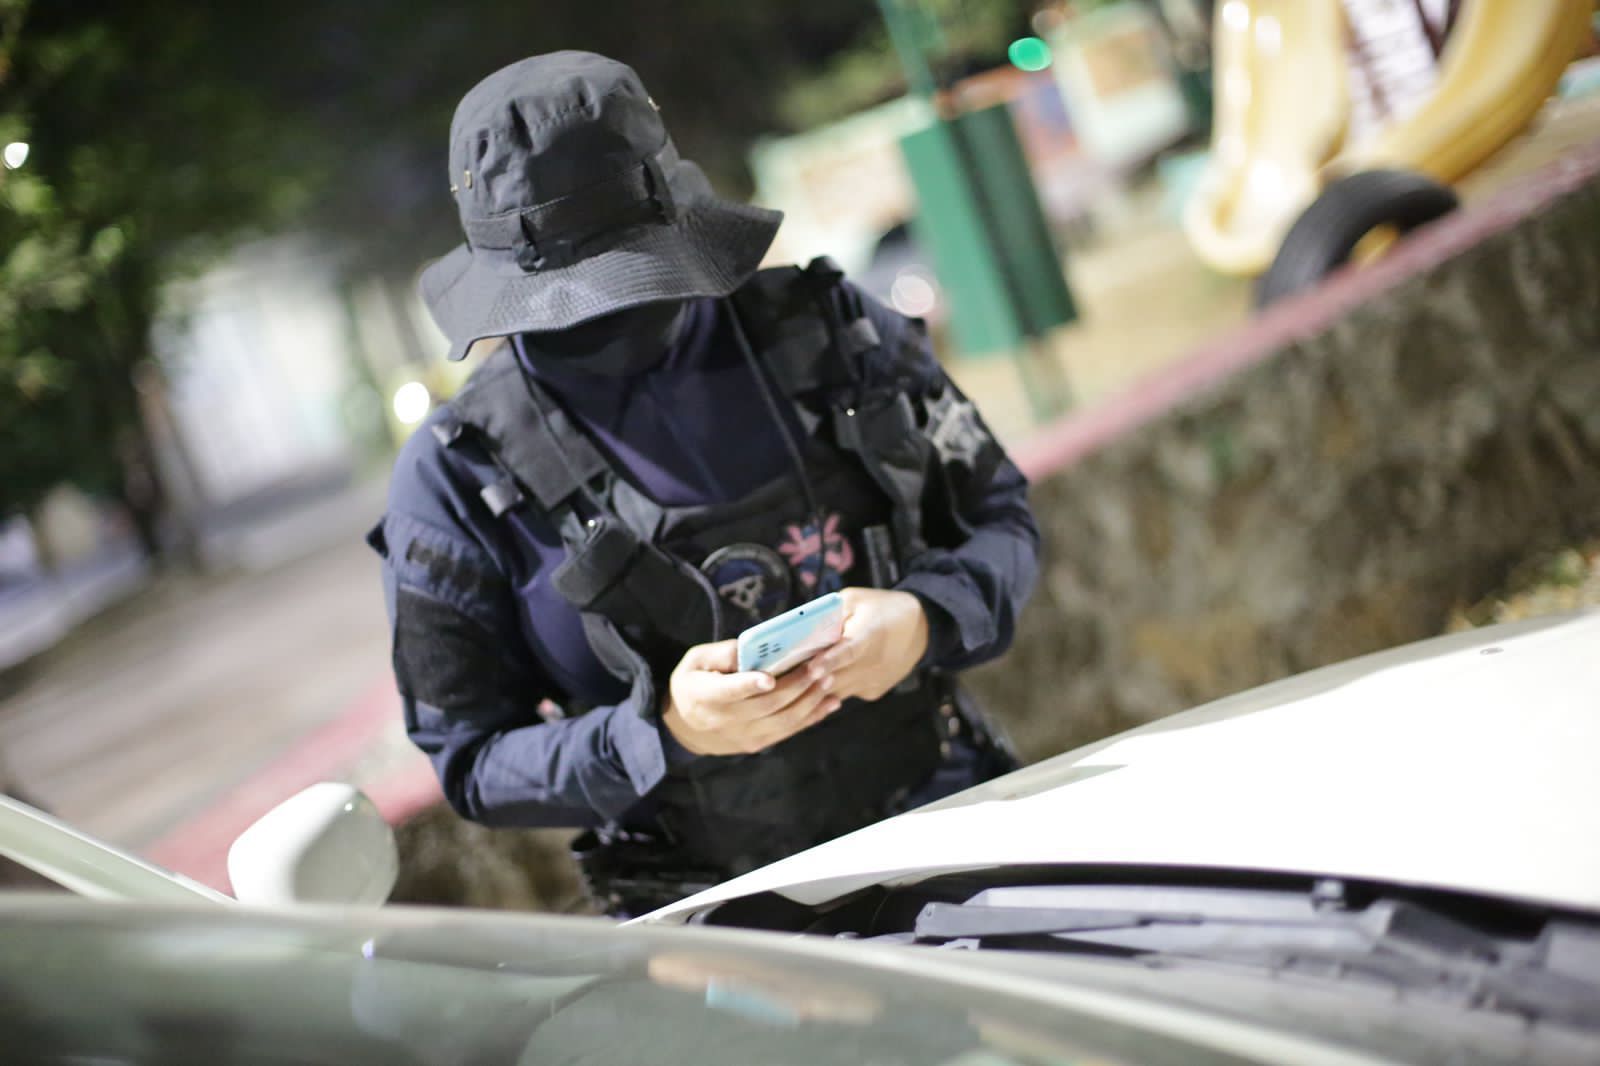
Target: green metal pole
column 1043, row 381
column 903, row 33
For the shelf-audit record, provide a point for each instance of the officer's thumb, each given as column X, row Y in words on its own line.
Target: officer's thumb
column 722, row 657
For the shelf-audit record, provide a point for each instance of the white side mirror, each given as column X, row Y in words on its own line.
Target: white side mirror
column 327, row 844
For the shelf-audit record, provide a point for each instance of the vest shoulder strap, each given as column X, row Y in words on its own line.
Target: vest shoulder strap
column 611, row 569
column 800, row 321
column 528, row 434
column 814, row 335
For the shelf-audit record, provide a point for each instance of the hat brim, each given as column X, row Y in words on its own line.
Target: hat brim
column 710, row 249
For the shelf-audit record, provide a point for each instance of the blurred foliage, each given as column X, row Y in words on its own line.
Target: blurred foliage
column 1548, row 583
column 50, row 263
column 142, row 160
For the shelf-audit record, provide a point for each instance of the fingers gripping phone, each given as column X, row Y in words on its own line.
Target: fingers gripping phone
column 780, row 644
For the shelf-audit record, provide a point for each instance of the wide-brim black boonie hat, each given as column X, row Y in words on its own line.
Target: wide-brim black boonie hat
column 576, row 205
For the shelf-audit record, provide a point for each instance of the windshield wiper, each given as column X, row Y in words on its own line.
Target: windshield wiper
column 960, row 921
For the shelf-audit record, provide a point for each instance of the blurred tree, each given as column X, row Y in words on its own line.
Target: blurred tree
column 47, row 270
column 138, row 166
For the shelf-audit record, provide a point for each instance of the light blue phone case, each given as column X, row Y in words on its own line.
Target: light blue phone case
column 780, row 643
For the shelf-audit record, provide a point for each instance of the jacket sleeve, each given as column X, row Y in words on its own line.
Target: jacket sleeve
column 472, row 689
column 983, row 544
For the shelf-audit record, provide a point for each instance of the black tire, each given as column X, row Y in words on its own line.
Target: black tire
column 1322, row 238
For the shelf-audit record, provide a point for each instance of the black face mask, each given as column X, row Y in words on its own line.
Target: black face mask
column 618, row 345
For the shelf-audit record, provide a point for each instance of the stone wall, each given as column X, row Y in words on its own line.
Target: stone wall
column 1385, row 451
column 447, row 861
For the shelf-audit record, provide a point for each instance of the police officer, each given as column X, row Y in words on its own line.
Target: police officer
column 669, row 446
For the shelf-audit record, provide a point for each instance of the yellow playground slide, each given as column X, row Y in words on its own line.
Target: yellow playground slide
column 1283, row 113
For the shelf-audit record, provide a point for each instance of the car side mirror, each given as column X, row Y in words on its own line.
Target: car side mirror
column 326, row 844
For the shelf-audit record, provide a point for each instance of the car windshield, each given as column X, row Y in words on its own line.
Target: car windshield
column 103, row 983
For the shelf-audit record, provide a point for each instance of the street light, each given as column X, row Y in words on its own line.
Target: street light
column 16, row 154
column 411, row 402
column 1029, row 53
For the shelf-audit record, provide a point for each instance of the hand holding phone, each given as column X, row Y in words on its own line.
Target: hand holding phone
column 713, row 708
column 885, row 636
column 782, row 643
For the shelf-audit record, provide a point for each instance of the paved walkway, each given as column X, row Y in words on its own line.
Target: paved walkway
column 158, row 708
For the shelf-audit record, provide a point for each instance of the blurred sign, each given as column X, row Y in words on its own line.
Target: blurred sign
column 840, row 186
column 256, row 351
column 1117, row 78
column 1394, row 60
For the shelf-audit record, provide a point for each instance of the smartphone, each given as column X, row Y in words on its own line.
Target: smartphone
column 780, row 644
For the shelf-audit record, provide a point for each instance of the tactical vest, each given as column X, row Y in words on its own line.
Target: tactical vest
column 638, row 571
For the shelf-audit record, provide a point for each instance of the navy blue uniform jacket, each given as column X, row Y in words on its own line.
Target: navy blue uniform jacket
column 470, row 603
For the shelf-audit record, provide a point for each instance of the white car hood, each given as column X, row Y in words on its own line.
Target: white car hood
column 1469, row 762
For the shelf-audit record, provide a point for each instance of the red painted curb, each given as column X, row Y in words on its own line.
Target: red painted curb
column 406, row 793
column 198, row 847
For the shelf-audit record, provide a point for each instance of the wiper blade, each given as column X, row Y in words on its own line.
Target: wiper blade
column 959, row 921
